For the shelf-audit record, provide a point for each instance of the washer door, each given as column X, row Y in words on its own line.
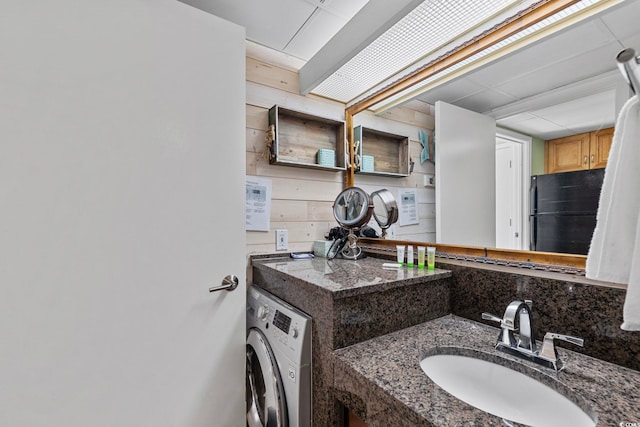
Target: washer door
column 266, row 405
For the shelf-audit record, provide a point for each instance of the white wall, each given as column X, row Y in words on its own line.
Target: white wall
column 465, row 177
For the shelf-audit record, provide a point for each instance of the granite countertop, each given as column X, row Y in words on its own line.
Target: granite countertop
column 346, row 278
column 388, row 368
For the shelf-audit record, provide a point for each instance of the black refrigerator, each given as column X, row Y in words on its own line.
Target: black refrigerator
column 563, row 210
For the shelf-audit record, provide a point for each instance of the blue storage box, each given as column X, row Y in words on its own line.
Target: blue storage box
column 367, row 164
column 326, row 157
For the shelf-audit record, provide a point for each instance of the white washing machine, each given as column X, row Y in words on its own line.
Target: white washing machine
column 278, row 362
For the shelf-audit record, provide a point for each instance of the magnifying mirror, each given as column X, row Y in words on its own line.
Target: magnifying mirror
column 385, row 209
column 353, row 209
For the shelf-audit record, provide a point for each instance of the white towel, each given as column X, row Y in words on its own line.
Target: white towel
column 614, row 254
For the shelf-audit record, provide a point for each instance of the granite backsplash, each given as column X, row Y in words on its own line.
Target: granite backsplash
column 564, row 305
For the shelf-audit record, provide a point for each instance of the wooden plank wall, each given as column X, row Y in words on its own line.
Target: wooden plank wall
column 302, row 198
column 406, row 120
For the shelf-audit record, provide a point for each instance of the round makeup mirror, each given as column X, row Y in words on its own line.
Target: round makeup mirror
column 353, row 209
column 385, row 209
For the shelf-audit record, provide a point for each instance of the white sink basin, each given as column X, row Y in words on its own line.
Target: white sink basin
column 503, row 392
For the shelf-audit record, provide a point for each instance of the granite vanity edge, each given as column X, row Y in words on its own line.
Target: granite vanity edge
column 336, row 294
column 584, row 376
column 386, row 286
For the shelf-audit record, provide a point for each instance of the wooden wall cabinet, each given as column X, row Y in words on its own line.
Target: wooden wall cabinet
column 297, row 137
column 588, row 150
column 600, row 146
column 390, row 152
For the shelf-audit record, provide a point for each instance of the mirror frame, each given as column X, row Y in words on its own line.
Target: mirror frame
column 390, row 206
column 365, row 212
column 536, row 13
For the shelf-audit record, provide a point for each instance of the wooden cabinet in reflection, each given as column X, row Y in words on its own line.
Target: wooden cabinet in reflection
column 588, row 150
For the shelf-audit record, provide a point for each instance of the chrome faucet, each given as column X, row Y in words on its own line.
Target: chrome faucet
column 525, row 344
column 521, row 311
column 524, row 327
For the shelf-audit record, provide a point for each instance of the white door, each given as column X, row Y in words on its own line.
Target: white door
column 465, row 177
column 508, row 194
column 121, row 203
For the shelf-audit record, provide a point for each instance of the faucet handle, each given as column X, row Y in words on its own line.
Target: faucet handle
column 492, row 317
column 506, row 337
column 568, row 338
column 549, row 349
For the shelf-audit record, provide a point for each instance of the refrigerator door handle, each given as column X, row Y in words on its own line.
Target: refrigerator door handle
column 532, row 236
column 533, row 195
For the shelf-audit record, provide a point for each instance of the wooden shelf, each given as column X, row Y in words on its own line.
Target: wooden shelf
column 298, row 137
column 390, row 152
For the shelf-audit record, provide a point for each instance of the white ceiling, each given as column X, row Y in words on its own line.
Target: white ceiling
column 299, row 28
column 511, row 88
column 296, row 27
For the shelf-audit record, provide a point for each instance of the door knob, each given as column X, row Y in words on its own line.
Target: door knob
column 229, row 283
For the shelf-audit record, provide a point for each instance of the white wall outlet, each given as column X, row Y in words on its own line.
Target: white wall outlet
column 282, row 240
column 429, row 181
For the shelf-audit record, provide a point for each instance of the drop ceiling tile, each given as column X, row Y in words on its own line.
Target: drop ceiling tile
column 632, row 42
column 315, row 33
column 591, row 112
column 515, row 119
column 484, row 100
column 271, row 23
column 559, row 74
column 582, row 39
column 344, row 9
column 623, row 21
column 451, row 92
column 533, row 126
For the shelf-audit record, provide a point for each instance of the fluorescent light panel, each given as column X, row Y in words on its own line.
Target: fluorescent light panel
column 431, row 25
column 450, row 71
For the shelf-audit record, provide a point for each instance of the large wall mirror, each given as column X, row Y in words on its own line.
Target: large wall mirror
column 492, row 123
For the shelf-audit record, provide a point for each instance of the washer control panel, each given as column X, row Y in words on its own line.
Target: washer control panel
column 286, row 326
column 282, row 322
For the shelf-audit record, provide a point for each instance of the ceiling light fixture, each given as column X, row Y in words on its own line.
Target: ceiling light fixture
column 430, row 26
column 550, row 25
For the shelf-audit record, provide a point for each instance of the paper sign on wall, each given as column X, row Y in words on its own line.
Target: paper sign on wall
column 258, row 203
column 408, row 207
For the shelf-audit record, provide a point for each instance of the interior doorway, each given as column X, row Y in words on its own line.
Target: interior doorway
column 508, row 194
column 512, row 185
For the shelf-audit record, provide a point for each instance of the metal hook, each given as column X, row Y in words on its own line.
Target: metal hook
column 628, row 65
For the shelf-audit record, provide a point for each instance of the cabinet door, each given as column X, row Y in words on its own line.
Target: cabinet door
column 600, row 146
column 567, row 154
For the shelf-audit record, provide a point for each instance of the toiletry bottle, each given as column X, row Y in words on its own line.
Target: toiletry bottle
column 431, row 258
column 410, row 255
column 421, row 252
